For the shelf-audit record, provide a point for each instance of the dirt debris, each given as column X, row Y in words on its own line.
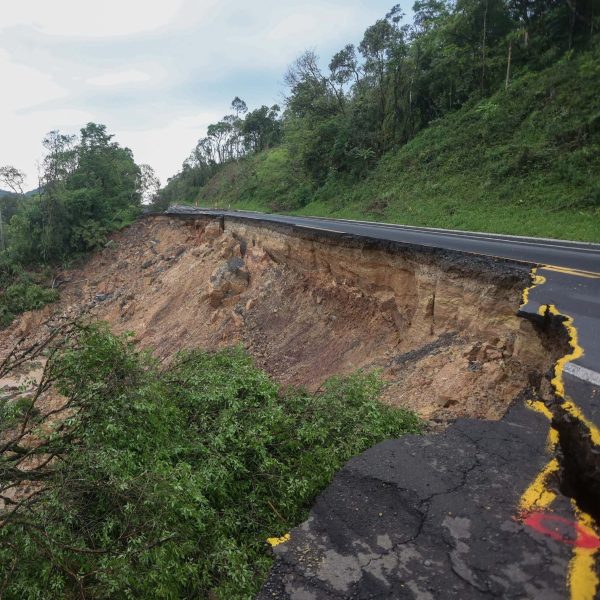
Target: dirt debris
column 446, row 338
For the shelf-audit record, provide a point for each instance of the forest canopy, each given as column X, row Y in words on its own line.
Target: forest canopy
column 373, row 97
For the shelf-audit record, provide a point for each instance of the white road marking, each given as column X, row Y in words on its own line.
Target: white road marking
column 588, row 375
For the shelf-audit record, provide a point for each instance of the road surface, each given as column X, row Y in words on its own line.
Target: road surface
column 481, row 509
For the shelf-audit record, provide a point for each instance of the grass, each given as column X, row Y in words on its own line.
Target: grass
column 525, row 161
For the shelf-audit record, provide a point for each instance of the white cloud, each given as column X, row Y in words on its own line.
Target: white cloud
column 88, row 18
column 165, row 148
column 25, row 86
column 155, row 72
column 119, row 78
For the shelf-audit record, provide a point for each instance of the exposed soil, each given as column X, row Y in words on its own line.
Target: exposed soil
column 444, row 330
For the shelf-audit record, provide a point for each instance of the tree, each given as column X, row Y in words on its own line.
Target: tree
column 344, row 66
column 12, row 178
column 261, row 128
column 239, row 106
column 60, row 159
column 149, row 183
column 383, row 48
column 88, row 188
column 311, row 93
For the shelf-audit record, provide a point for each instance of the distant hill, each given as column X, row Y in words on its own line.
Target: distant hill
column 28, row 194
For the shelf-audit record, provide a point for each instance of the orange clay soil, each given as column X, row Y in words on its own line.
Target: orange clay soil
column 445, row 334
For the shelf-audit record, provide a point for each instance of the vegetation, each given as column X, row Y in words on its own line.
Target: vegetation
column 22, row 295
column 526, row 162
column 234, row 136
column 89, row 186
column 165, row 482
column 479, row 115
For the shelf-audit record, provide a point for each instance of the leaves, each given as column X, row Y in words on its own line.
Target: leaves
column 169, row 481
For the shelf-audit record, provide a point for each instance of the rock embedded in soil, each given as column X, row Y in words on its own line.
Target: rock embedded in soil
column 443, row 329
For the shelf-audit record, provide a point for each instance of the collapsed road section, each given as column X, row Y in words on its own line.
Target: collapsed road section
column 494, row 504
column 440, row 326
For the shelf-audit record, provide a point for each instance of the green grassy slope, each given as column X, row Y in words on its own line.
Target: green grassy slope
column 526, row 162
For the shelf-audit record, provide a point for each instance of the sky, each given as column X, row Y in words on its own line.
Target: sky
column 155, row 73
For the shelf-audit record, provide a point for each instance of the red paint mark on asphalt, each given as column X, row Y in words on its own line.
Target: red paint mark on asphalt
column 554, row 526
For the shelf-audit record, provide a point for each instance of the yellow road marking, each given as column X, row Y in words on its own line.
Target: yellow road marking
column 538, row 495
column 557, row 381
column 582, row 580
column 535, row 281
column 275, row 541
column 575, row 272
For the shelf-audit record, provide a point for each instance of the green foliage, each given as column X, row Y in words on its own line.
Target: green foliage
column 89, row 189
column 21, row 296
column 13, row 411
column 269, row 175
column 169, row 481
column 343, row 129
column 524, row 161
column 227, row 142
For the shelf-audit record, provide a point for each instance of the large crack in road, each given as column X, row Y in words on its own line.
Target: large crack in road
column 430, row 517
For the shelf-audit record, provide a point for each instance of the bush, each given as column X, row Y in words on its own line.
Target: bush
column 169, row 481
column 23, row 296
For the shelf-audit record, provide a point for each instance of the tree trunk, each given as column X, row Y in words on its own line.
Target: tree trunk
column 483, row 46
column 508, row 65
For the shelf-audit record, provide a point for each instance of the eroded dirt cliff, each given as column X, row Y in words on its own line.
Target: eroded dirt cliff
column 443, row 328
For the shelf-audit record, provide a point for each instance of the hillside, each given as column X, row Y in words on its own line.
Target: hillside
column 194, row 451
column 523, row 161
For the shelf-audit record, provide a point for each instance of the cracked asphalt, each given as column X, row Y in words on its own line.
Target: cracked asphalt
column 442, row 515
column 430, row 517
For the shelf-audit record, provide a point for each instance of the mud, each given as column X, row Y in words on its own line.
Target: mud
column 442, row 328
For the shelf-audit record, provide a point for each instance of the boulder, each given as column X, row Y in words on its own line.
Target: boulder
column 230, row 279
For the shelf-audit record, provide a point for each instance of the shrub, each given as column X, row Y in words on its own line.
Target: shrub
column 167, row 482
column 22, row 296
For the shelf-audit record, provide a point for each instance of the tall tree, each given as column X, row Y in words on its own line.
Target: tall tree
column 12, row 178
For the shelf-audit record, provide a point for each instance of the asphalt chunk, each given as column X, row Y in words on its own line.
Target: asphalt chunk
column 433, row 516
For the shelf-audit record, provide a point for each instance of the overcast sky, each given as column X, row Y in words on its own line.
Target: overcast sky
column 156, row 73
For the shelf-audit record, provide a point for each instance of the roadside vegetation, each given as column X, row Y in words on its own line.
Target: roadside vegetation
column 89, row 186
column 165, row 482
column 478, row 115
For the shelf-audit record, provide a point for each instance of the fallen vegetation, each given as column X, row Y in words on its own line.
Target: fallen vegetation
column 151, row 481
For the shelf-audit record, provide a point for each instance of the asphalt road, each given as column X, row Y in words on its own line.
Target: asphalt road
column 571, row 255
column 431, row 517
column 572, row 269
column 481, row 509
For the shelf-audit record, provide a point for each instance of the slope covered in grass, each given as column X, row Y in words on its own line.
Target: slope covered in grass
column 524, row 161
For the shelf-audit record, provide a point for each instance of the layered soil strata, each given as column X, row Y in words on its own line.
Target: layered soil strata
column 442, row 327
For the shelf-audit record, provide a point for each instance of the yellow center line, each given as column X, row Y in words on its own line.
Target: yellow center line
column 575, row 272
column 535, row 281
column 582, row 579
